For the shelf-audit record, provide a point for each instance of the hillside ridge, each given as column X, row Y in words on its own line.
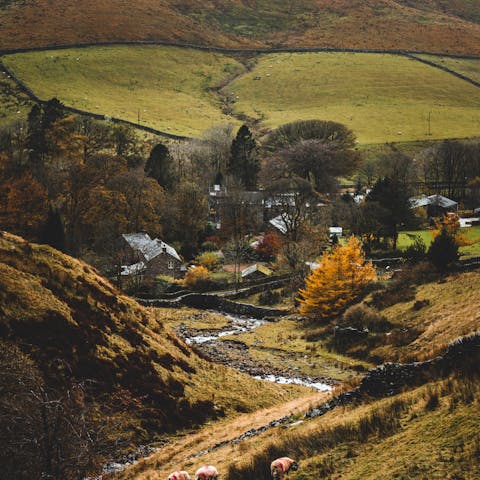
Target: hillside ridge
column 382, row 24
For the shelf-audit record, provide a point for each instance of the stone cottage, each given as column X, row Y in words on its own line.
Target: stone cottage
column 148, row 258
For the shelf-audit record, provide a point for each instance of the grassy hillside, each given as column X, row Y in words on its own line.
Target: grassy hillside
column 426, row 318
column 176, row 90
column 380, row 97
column 76, row 325
column 435, row 26
column 430, row 432
column 468, row 67
column 166, row 88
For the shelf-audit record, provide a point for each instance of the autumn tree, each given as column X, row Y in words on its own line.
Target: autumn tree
column 269, row 246
column 24, row 206
column 244, row 163
column 451, row 223
column 337, row 282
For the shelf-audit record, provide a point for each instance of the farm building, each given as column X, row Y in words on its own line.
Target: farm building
column 149, row 258
column 256, row 271
column 436, row 205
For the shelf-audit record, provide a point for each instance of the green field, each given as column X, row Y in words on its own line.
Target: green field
column 470, row 67
column 382, row 98
column 471, row 233
column 166, row 88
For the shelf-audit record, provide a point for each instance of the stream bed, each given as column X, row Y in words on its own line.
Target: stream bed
column 236, row 354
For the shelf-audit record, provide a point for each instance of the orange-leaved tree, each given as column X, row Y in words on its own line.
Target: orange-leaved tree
column 336, row 282
column 451, row 224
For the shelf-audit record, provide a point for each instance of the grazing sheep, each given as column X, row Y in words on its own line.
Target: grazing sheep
column 207, row 472
column 282, row 466
column 181, row 475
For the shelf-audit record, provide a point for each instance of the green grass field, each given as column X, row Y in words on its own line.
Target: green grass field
column 380, row 97
column 471, row 233
column 468, row 67
column 167, row 88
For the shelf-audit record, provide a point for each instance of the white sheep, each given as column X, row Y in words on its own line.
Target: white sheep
column 207, row 472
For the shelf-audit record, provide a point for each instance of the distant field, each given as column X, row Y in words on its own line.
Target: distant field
column 466, row 66
column 471, row 233
column 166, row 88
column 382, row 98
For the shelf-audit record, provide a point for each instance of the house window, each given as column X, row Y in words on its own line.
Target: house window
column 170, row 264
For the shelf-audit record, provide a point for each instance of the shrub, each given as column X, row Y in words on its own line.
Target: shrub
column 209, row 246
column 269, row 297
column 197, row 277
column 417, row 251
column 361, row 316
column 209, row 260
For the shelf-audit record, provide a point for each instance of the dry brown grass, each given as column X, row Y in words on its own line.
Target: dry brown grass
column 368, row 24
column 179, row 454
column 451, row 310
column 62, row 312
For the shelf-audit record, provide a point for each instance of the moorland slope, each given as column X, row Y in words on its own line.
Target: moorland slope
column 76, row 326
column 434, row 26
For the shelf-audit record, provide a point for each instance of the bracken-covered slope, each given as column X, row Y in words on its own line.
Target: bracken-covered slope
column 430, row 25
column 77, row 327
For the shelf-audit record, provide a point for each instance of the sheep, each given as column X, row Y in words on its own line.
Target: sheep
column 282, row 466
column 207, row 472
column 179, row 475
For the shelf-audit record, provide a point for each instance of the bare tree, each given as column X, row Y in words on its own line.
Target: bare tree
column 45, row 433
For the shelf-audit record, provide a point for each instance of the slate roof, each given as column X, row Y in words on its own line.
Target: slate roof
column 279, row 223
column 147, row 247
column 436, row 200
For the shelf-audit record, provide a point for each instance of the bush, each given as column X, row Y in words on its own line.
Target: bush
column 197, row 278
column 361, row 316
column 269, row 297
column 209, row 260
column 417, row 251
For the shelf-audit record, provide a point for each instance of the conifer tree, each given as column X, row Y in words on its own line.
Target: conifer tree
column 160, row 167
column 244, row 164
column 443, row 251
column 336, row 282
column 53, row 233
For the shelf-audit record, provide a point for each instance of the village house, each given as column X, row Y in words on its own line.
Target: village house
column 149, row 258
